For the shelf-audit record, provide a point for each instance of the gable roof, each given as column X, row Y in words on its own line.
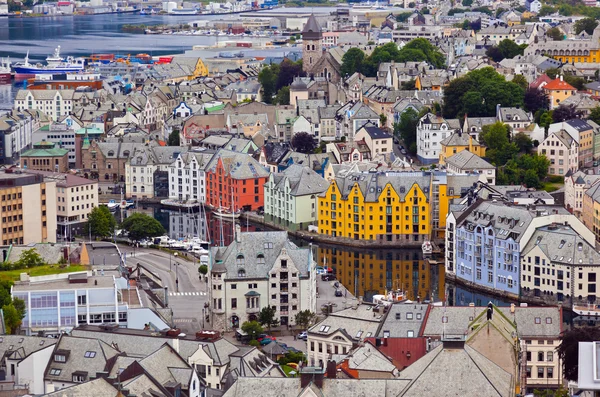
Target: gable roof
column 559, row 84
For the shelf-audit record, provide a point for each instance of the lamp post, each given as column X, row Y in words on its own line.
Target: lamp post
column 177, row 276
column 170, row 261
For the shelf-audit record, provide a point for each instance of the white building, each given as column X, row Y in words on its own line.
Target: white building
column 431, row 131
column 187, row 180
column 291, row 196
column 562, row 150
column 257, row 270
column 16, row 131
column 54, row 103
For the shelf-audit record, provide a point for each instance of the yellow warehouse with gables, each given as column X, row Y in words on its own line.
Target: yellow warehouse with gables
column 407, row 208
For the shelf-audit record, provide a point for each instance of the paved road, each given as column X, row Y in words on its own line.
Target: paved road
column 186, row 297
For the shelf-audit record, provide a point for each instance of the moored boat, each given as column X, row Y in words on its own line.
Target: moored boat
column 55, row 64
column 5, row 71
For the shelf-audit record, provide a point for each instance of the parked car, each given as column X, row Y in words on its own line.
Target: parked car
column 596, row 163
column 403, row 151
column 262, row 337
column 327, row 277
column 265, row 341
column 303, row 335
column 338, row 293
column 336, row 284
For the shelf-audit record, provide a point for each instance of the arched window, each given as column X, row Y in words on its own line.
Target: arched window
column 260, row 259
column 134, row 179
column 142, row 189
column 239, row 260
column 241, row 273
column 111, row 153
column 135, row 189
column 126, row 153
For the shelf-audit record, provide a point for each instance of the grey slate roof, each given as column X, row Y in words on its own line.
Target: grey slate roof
column 398, row 320
column 352, row 321
column 250, row 246
column 459, row 139
column 464, row 372
column 467, row 161
column 238, row 165
column 22, row 346
column 302, row 180
column 96, row 387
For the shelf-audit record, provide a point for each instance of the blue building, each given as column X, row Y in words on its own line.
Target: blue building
column 484, row 241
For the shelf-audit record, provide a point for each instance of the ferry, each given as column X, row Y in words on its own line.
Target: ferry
column 5, row 70
column 55, row 64
column 183, row 11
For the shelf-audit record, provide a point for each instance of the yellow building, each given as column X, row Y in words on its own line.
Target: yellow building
column 367, row 273
column 200, row 71
column 430, row 83
column 402, row 207
column 558, row 90
column 457, row 142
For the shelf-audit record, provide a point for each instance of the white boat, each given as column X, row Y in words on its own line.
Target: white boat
column 427, row 248
column 224, row 214
column 589, row 310
column 112, row 205
column 5, row 70
column 55, row 65
column 184, row 11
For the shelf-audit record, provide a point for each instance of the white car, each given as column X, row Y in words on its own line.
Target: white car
column 303, row 335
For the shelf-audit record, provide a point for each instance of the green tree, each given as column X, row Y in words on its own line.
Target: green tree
column 12, row 318
column 523, row 142
column 531, row 179
column 286, row 72
column 495, row 137
column 19, row 304
column 30, row 258
column 141, row 226
column 305, row 318
column 587, row 24
column 283, row 96
column 408, row 85
column 352, row 62
column 101, row 222
column 252, row 328
column 595, row 115
column 402, row 17
column 174, row 138
column 535, row 100
column 546, row 10
column 568, row 350
column 203, row 270
column 382, row 120
column 521, row 81
column 466, row 25
column 406, row 128
column 505, row 49
column 467, row 3
column 267, row 317
column 555, row 34
column 268, row 81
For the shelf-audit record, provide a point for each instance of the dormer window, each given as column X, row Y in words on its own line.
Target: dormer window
column 60, row 358
column 241, row 273
column 239, row 260
column 79, row 376
column 260, row 259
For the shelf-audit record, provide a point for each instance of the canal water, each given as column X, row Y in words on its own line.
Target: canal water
column 364, row 272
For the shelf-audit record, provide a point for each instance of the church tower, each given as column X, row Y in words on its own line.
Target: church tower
column 312, row 39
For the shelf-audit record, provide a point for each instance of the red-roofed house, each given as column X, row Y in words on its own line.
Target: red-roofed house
column 558, row 90
column 540, row 82
column 402, row 351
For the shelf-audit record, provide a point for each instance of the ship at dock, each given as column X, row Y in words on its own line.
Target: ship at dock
column 55, row 64
column 5, row 74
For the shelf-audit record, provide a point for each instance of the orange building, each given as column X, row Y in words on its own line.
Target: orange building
column 235, row 181
column 558, row 90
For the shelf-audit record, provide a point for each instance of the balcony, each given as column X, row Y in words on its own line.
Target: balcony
column 252, row 310
column 216, row 310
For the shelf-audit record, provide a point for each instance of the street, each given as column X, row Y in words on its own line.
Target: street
column 187, row 293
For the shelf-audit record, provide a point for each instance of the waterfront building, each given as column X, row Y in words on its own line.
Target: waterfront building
column 562, row 150
column 291, row 197
column 147, row 170
column 485, row 241
column 187, row 179
column 431, row 131
column 256, row 270
column 559, row 263
column 28, row 208
column 16, row 131
column 583, row 134
column 45, row 156
column 235, row 181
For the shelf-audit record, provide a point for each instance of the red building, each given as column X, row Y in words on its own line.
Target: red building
column 235, row 181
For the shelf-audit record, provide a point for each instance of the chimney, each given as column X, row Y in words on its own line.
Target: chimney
column 561, row 77
column 454, row 342
column 312, row 374
column 331, row 369
column 385, row 341
column 238, row 233
column 176, row 344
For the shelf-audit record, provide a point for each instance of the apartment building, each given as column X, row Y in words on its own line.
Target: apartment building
column 29, row 208
column 235, row 180
column 291, row 197
column 187, row 179
column 583, row 134
column 486, row 241
column 16, row 131
column 576, row 185
column 562, row 150
column 380, row 142
column 256, row 270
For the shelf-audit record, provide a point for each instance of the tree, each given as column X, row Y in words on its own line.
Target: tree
column 403, row 16
column 268, row 81
column 566, row 112
column 30, row 258
column 505, row 49
column 408, row 85
column 382, row 120
column 12, row 318
column 466, row 25
column 203, row 270
column 303, row 142
column 305, row 318
column 352, row 61
column 141, row 226
column 252, row 328
column 267, row 317
column 595, row 115
column 286, row 73
column 19, row 304
column 568, row 350
column 101, row 222
column 174, row 138
column 535, row 100
column 560, row 392
column 555, row 33
column 495, row 137
column 467, row 3
column 283, row 96
column 407, row 127
column 587, row 24
column 523, row 142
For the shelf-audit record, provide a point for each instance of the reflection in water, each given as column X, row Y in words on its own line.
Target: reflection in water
column 459, row 296
column 369, row 272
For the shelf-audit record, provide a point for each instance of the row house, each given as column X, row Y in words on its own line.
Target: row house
column 562, row 150
column 235, row 181
column 431, row 131
column 187, row 178
column 581, row 132
column 576, row 185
